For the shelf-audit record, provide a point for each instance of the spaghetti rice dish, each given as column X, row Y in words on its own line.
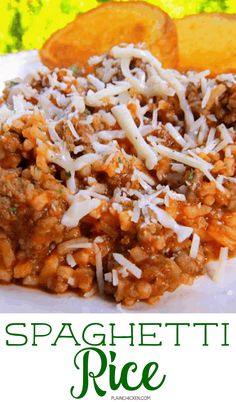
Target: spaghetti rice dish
column 119, row 180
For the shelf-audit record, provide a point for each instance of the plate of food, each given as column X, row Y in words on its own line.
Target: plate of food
column 117, row 167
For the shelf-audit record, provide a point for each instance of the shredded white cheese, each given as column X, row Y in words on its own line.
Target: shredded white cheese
column 99, row 268
column 78, row 210
column 182, row 232
column 98, row 84
column 195, row 162
column 70, row 260
column 226, row 138
column 175, row 134
column 132, row 268
column 115, row 279
column 126, row 122
column 194, row 246
column 108, row 277
column 206, row 97
column 128, row 52
column 144, row 180
column 95, row 98
column 216, row 271
column 72, row 129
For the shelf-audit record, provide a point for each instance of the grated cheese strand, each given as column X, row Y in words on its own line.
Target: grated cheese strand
column 94, row 98
column 73, row 130
column 115, row 279
column 70, row 260
column 195, row 162
column 216, row 272
column 167, row 75
column 124, row 262
column 166, row 220
column 78, row 210
column 99, row 268
column 126, row 122
column 175, row 134
column 194, row 246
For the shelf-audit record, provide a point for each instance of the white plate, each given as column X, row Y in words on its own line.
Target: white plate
column 204, row 296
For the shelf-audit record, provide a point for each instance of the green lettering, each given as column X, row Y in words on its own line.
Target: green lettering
column 89, row 374
column 205, row 326
column 103, row 337
column 69, row 336
column 16, row 334
column 36, row 335
column 142, row 325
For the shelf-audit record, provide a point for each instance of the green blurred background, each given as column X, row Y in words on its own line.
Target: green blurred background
column 25, row 24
